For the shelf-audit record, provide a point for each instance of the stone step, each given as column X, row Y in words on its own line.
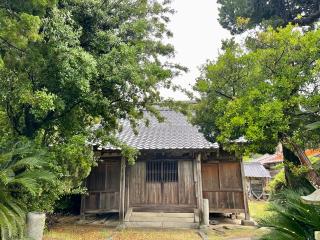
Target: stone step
column 138, row 218
column 177, row 225
column 162, row 214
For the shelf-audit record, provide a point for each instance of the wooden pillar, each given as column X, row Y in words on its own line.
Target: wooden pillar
column 122, row 189
column 127, row 204
column 198, row 182
column 245, row 193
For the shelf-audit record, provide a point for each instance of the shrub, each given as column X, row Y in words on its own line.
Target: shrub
column 24, row 170
column 278, row 183
column 291, row 218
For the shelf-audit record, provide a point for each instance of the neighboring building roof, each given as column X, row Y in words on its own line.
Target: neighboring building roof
column 174, row 133
column 278, row 156
column 255, row 169
column 313, row 152
column 270, row 158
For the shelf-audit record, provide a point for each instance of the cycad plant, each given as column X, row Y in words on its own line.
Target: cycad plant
column 291, row 218
column 23, row 169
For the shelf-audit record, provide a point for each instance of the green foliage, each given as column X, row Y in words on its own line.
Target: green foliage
column 290, row 218
column 298, row 172
column 82, row 60
column 75, row 159
column 313, row 126
column 25, row 172
column 266, row 91
column 68, row 65
column 241, row 15
column 68, row 204
column 278, row 183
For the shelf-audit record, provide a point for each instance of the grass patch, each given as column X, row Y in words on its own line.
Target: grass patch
column 258, row 209
column 78, row 232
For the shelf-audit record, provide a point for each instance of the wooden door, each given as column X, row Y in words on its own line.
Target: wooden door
column 222, row 186
column 161, row 183
column 187, row 195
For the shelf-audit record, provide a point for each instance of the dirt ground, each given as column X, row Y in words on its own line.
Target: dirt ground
column 82, row 232
column 70, row 228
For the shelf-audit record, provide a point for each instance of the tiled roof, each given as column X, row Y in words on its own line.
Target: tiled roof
column 270, row 158
column 255, row 169
column 174, row 133
column 278, row 157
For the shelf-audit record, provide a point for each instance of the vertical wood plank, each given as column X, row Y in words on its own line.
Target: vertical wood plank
column 122, row 189
column 187, row 183
column 245, row 195
column 199, row 182
column 127, row 188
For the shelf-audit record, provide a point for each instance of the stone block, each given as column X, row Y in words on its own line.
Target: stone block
column 247, row 222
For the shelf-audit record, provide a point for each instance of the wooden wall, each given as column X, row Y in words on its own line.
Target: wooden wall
column 222, row 185
column 103, row 187
column 143, row 193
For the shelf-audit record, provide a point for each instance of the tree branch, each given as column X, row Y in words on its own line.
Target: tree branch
column 224, row 95
column 308, row 19
column 11, row 45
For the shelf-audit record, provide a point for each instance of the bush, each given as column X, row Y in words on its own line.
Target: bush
column 291, row 218
column 68, row 204
column 24, row 175
column 278, row 183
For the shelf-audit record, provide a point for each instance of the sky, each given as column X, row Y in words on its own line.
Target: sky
column 197, row 37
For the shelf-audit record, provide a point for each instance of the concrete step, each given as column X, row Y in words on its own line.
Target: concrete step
column 161, row 220
column 162, row 214
column 134, row 218
column 177, row 225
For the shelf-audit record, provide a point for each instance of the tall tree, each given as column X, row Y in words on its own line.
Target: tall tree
column 66, row 65
column 80, row 60
column 241, row 15
column 267, row 92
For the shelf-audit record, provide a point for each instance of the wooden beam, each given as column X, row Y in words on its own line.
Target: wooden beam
column 122, row 189
column 127, row 205
column 198, row 182
column 245, row 194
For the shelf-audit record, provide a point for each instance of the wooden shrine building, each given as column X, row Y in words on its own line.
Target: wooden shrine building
column 176, row 169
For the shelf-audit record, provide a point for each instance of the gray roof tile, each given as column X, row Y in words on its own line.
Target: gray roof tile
column 174, row 133
column 255, row 169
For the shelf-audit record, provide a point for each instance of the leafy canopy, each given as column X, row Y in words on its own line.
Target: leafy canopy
column 81, row 60
column 66, row 65
column 267, row 91
column 241, row 15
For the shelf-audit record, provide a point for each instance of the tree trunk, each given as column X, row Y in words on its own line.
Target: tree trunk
column 289, row 156
column 312, row 175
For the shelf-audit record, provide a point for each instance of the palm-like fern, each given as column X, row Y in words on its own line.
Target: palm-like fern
column 291, row 218
column 22, row 169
